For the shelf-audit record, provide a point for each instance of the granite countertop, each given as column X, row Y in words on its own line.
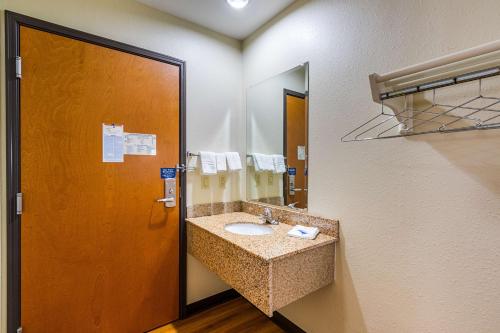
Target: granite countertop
column 268, row 247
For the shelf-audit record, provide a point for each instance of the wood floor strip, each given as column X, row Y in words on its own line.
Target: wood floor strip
column 235, row 316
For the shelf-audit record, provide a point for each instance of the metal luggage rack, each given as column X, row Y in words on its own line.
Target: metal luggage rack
column 402, row 116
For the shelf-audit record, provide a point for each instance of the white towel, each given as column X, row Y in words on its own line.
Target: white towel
column 208, row 163
column 279, row 164
column 301, row 231
column 263, row 162
column 192, row 163
column 233, row 161
column 268, row 163
column 221, row 162
column 254, row 162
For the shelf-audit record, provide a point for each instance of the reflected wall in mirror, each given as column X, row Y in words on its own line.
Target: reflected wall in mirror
column 277, row 139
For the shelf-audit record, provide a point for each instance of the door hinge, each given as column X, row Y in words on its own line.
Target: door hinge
column 19, row 203
column 19, row 67
column 20, row 330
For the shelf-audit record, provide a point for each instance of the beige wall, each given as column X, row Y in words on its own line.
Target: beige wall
column 420, row 218
column 214, row 89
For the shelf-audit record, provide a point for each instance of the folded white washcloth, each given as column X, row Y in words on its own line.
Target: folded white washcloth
column 208, row 163
column 279, row 164
column 233, row 161
column 263, row 162
column 192, row 163
column 220, row 159
column 301, row 231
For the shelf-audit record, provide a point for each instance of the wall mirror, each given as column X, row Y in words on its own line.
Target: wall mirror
column 277, row 139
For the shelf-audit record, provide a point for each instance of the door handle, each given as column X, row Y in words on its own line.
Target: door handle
column 166, row 200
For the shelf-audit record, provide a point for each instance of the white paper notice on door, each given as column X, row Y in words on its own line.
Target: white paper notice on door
column 140, row 144
column 301, row 153
column 112, row 143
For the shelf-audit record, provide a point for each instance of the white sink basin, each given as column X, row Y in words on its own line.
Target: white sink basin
column 250, row 229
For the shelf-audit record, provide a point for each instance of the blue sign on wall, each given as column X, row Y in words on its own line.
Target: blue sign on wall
column 168, row 172
column 292, row 171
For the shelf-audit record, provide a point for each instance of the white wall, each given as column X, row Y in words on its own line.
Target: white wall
column 420, row 218
column 215, row 118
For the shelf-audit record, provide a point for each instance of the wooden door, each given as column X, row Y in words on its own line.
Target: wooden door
column 296, row 139
column 98, row 253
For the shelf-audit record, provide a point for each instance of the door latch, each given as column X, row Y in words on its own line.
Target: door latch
column 180, row 167
column 19, row 67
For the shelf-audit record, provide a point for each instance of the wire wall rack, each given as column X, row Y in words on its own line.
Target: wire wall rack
column 476, row 113
column 469, row 100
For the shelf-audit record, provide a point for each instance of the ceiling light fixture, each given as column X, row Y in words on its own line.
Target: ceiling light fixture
column 237, row 4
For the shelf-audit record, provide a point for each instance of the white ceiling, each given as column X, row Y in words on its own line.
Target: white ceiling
column 217, row 15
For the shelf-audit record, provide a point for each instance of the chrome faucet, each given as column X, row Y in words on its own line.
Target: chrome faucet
column 267, row 217
column 293, row 205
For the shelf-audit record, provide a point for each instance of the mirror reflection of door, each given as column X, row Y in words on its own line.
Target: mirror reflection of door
column 295, row 148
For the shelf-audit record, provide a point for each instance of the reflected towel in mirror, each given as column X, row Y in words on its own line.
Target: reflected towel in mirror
column 263, row 162
column 220, row 159
column 233, row 161
column 279, row 164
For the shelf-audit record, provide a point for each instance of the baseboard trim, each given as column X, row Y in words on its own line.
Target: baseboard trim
column 211, row 301
column 285, row 324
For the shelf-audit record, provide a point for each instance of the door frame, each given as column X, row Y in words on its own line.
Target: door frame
column 13, row 22
column 288, row 92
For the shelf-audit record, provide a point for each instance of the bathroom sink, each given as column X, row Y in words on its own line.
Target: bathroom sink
column 250, row 229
